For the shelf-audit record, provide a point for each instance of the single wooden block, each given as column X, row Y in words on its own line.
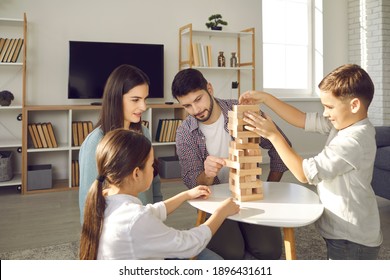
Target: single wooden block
column 250, row 197
column 245, row 134
column 245, row 108
column 236, row 145
column 244, row 172
column 245, row 185
column 232, row 164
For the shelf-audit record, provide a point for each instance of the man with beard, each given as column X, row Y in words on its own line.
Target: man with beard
column 202, row 144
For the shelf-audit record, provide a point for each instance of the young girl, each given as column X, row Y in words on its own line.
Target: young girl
column 117, row 225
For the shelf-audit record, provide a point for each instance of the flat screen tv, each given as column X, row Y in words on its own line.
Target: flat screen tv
column 90, row 64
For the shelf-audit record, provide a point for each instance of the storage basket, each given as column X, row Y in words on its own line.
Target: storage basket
column 6, row 173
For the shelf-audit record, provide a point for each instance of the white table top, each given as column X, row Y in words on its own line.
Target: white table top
column 284, row 205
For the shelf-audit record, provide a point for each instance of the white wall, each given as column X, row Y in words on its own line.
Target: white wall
column 52, row 23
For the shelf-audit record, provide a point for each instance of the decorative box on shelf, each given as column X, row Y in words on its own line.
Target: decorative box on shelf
column 39, row 177
column 169, row 167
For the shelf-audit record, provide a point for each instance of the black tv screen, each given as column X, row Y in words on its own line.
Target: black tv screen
column 90, row 64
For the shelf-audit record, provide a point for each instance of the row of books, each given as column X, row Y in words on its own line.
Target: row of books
column 42, row 135
column 202, row 55
column 80, row 130
column 166, row 130
column 75, row 173
column 10, row 49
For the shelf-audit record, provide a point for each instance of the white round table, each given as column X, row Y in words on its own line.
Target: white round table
column 285, row 205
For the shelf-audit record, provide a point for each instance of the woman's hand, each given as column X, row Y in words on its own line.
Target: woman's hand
column 199, row 191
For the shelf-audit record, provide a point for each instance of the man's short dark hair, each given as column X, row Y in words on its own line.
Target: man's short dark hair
column 187, row 81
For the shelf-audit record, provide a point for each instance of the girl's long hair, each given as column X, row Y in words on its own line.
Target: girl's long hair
column 117, row 155
column 124, row 78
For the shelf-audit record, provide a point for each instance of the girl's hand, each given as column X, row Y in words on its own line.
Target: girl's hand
column 199, row 191
column 263, row 126
column 228, row 207
column 252, row 97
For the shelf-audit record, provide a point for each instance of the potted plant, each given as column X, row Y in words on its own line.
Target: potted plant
column 6, row 97
column 215, row 21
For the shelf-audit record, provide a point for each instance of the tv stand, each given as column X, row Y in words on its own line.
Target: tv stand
column 96, row 103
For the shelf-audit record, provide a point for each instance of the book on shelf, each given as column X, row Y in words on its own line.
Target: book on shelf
column 32, row 136
column 75, row 136
column 90, row 127
column 47, row 135
column 36, row 135
column 42, row 135
column 51, row 134
column 85, row 129
column 2, row 40
column 4, row 49
column 80, row 130
column 166, row 130
column 16, row 53
column 80, row 133
column 12, row 50
column 73, row 169
column 158, row 131
column 201, row 55
column 75, row 173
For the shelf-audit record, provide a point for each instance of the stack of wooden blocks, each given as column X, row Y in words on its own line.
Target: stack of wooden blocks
column 244, row 157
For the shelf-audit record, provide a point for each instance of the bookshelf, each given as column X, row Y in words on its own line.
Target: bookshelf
column 242, row 43
column 13, row 79
column 66, row 153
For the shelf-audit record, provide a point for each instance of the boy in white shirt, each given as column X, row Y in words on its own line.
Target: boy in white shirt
column 343, row 170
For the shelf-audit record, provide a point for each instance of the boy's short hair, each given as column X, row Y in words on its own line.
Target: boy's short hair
column 186, row 81
column 349, row 81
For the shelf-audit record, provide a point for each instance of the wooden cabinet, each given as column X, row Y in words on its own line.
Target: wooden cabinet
column 13, row 79
column 61, row 157
column 242, row 43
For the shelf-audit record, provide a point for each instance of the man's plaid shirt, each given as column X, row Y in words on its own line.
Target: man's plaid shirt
column 192, row 152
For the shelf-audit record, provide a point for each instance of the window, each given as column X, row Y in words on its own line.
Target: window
column 289, row 45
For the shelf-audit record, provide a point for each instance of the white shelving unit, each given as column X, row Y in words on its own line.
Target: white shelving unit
column 13, row 79
column 220, row 40
column 61, row 118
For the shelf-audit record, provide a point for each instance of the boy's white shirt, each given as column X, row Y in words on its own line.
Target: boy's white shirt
column 342, row 172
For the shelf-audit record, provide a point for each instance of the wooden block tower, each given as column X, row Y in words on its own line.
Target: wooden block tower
column 244, row 156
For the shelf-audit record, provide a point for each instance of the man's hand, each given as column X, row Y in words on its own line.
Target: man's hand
column 212, row 165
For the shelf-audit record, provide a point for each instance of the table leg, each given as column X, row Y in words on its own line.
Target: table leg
column 201, row 217
column 289, row 243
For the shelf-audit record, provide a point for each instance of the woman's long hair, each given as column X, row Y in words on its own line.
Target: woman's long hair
column 117, row 155
column 124, row 78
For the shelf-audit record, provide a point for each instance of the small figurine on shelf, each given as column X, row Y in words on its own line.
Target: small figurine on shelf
column 233, row 60
column 215, row 21
column 221, row 60
column 6, row 98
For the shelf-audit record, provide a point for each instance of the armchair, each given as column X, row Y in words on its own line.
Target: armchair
column 381, row 175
